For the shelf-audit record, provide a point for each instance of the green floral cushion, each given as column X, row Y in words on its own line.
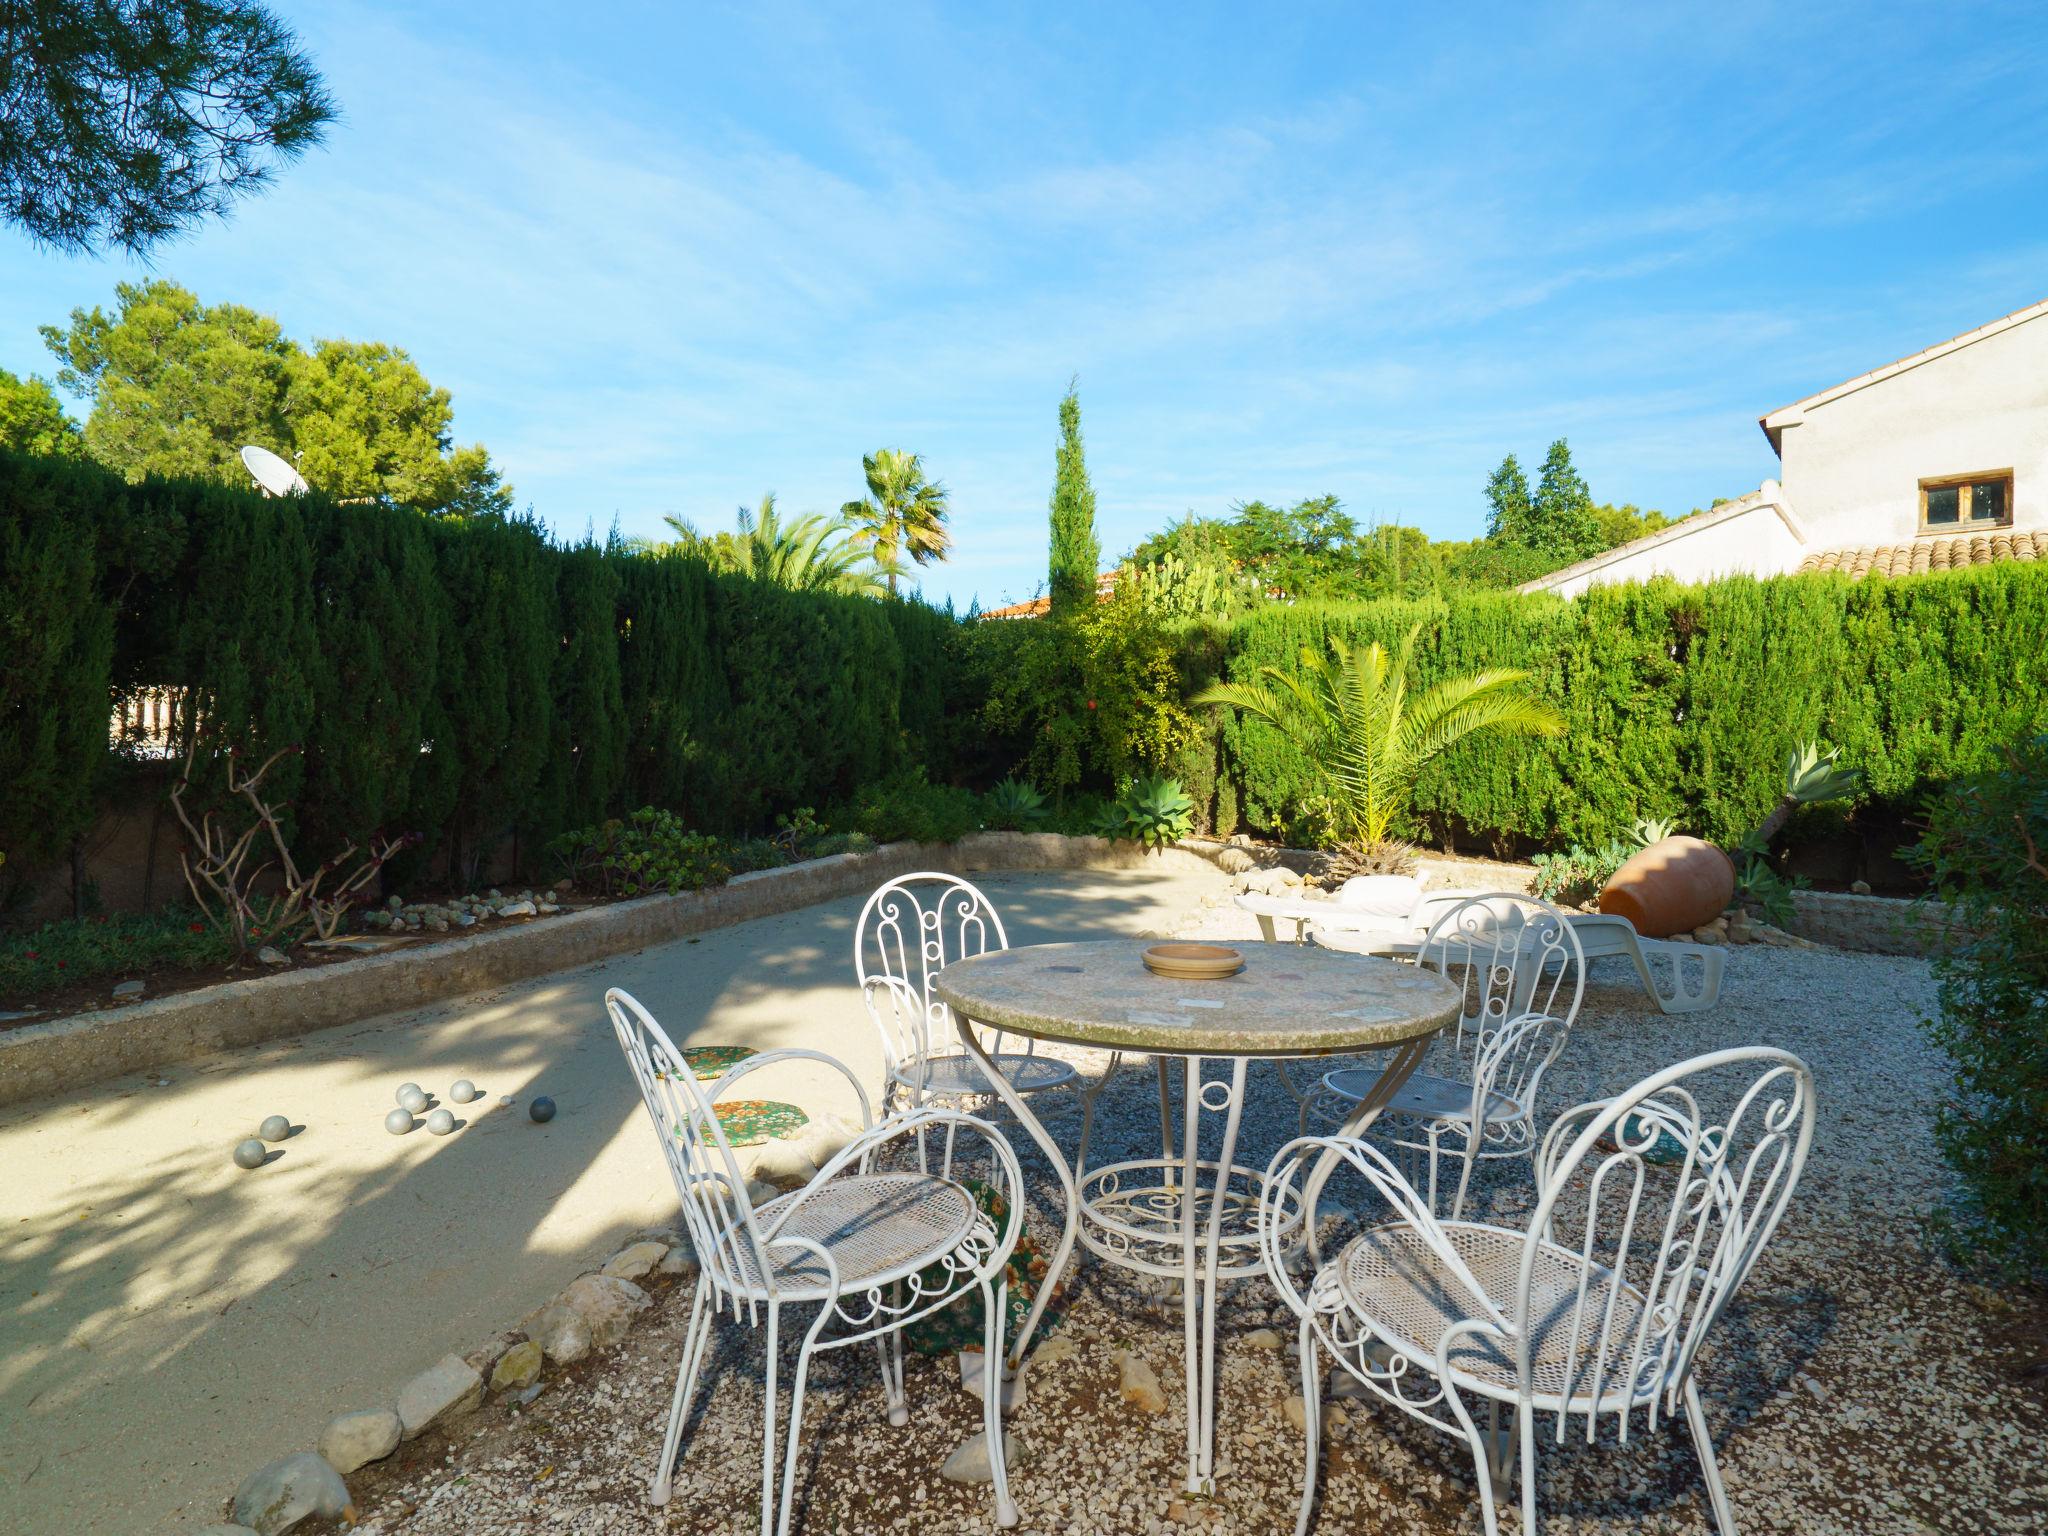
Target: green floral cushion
column 959, row 1326
column 749, row 1121
column 711, row 1062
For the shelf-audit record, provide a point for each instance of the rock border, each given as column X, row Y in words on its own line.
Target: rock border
column 74, row 1052
column 593, row 1312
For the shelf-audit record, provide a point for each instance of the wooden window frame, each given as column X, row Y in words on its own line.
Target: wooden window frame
column 1960, row 483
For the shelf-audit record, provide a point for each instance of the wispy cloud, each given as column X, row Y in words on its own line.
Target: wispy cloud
column 669, row 260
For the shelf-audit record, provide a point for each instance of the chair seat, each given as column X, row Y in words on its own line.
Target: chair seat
column 955, row 1072
column 1392, row 1279
column 878, row 1227
column 1426, row 1097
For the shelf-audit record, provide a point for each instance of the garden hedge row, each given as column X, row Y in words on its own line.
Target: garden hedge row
column 466, row 679
column 459, row 678
column 1680, row 702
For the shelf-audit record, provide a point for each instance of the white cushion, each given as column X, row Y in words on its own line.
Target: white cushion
column 1381, row 895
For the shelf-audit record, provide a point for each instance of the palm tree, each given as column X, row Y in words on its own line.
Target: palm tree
column 811, row 554
column 904, row 513
column 1350, row 715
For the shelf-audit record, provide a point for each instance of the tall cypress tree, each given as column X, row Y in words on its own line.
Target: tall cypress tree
column 1507, row 503
column 1075, row 550
column 1563, row 523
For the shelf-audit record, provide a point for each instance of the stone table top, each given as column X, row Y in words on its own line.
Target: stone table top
column 1289, row 1000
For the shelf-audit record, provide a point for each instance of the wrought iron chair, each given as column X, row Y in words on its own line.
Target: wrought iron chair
column 872, row 1250
column 1650, row 1214
column 1511, row 956
column 908, row 932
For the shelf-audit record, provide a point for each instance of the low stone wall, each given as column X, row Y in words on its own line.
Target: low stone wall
column 41, row 1059
column 1881, row 925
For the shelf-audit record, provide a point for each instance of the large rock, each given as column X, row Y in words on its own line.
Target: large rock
column 353, row 1440
column 1235, row 861
column 784, row 1164
column 679, row 1260
column 825, row 1137
column 634, row 1260
column 560, row 1332
column 277, row 1497
column 224, row 1530
column 969, row 1461
column 444, row 1390
column 593, row 1313
column 518, row 1367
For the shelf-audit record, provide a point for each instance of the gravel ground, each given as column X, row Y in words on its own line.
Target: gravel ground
column 1857, row 1385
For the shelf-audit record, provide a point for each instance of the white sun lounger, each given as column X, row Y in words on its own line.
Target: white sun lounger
column 1600, row 935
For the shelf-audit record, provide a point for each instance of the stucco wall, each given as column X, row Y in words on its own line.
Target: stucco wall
column 1751, row 540
column 1853, row 465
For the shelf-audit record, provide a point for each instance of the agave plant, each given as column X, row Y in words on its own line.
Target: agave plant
column 1155, row 812
column 1813, row 773
column 1652, row 829
column 1016, row 805
column 1351, row 715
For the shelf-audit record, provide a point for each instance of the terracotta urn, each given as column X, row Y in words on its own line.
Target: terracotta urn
column 1671, row 887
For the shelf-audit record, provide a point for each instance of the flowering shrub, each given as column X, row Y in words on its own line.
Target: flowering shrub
column 87, row 949
column 650, row 850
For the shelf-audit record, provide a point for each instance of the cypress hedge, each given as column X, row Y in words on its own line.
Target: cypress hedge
column 469, row 680
column 461, row 679
column 1681, row 702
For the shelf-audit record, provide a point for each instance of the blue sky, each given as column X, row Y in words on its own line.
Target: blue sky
column 681, row 255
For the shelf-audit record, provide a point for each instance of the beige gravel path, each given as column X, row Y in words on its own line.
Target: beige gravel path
column 171, row 1322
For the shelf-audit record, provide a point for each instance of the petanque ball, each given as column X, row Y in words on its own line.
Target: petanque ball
column 405, row 1088
column 542, row 1109
column 441, row 1122
column 250, row 1154
column 463, row 1091
column 413, row 1102
column 276, row 1128
column 398, row 1122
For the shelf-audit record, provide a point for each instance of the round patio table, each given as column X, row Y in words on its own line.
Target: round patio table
column 1146, row 1214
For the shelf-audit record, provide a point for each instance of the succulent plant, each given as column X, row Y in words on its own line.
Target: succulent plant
column 1016, row 805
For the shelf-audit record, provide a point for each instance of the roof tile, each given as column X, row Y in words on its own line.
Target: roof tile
column 1922, row 556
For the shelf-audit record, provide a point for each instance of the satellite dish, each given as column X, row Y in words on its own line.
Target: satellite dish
column 272, row 473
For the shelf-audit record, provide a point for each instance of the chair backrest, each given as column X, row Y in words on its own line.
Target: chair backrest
column 909, row 931
column 707, row 1176
column 1675, row 1187
column 1509, row 955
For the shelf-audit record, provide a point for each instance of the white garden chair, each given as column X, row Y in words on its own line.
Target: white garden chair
column 910, row 929
column 872, row 1250
column 1649, row 1216
column 1517, row 962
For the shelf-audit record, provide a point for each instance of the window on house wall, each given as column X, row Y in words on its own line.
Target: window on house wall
column 1961, row 503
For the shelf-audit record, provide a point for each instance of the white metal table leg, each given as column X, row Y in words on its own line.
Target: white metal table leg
column 1064, row 1250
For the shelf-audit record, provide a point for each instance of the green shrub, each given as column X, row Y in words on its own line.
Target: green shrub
column 1986, row 849
column 909, row 807
column 1576, row 876
column 61, row 954
column 650, row 850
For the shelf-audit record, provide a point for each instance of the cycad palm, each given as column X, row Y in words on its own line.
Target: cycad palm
column 1350, row 714
column 904, row 513
column 810, row 554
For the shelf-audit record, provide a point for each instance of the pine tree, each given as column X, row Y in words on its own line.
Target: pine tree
column 1507, row 500
column 1076, row 552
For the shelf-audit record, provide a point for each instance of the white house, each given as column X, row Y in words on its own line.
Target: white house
column 1937, row 460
